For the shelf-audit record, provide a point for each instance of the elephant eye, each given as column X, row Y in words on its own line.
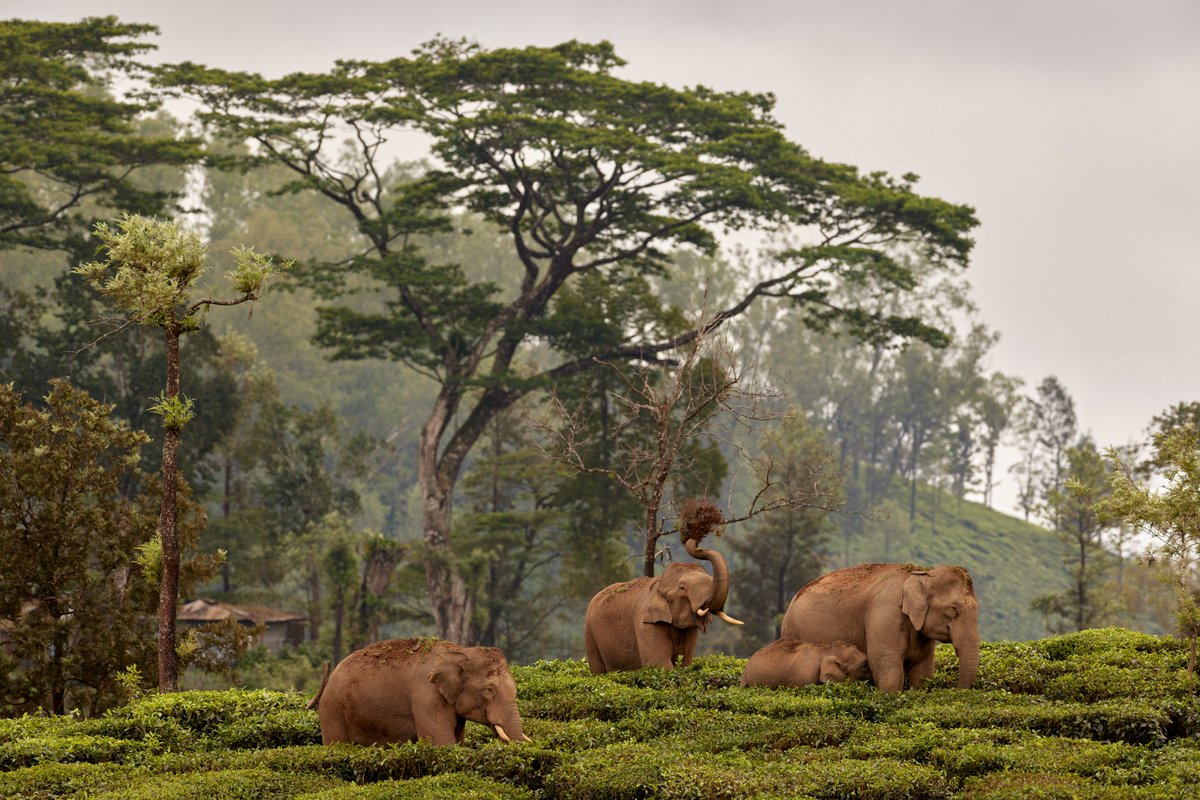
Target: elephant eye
column 951, row 611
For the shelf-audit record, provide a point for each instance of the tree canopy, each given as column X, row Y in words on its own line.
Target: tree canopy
column 66, row 143
column 587, row 173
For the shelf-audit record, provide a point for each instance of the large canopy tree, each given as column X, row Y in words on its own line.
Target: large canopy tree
column 67, row 143
column 589, row 174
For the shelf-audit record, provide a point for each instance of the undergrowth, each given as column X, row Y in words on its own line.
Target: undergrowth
column 1099, row 714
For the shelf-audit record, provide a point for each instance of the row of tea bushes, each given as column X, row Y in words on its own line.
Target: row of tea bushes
column 1099, row 714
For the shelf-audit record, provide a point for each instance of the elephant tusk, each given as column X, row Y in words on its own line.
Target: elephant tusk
column 503, row 736
column 525, row 738
column 729, row 619
column 702, row 612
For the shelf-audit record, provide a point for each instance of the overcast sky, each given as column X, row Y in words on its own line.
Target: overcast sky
column 1073, row 128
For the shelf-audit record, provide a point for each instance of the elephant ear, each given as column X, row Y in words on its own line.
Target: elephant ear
column 915, row 602
column 832, row 669
column 657, row 607
column 447, row 676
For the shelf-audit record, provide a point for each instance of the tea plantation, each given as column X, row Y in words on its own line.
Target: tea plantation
column 1099, row 714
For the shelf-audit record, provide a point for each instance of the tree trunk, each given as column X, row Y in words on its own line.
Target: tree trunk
column 651, row 541
column 168, row 532
column 451, row 604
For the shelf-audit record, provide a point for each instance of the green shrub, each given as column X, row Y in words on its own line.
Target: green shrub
column 716, row 731
column 65, row 749
column 1042, row 786
column 594, row 697
column 235, row 784
column 33, row 726
column 1122, row 720
column 204, row 712
column 456, row 785
column 281, row 729
column 61, row 780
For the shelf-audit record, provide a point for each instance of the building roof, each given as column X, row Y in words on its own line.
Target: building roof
column 205, row 610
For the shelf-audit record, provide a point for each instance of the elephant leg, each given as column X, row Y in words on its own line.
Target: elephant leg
column 435, row 719
column 919, row 670
column 439, row 726
column 887, row 670
column 594, row 659
column 656, row 645
column 688, row 647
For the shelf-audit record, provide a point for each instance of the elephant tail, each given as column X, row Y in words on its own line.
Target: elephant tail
column 324, row 680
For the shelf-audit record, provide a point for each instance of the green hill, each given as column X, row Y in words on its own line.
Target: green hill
column 1011, row 561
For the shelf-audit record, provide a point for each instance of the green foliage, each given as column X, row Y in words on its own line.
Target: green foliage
column 686, row 733
column 175, row 411
column 72, row 599
column 68, row 143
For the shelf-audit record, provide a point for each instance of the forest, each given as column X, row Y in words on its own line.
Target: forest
column 252, row 352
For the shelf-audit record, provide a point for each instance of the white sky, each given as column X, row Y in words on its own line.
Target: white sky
column 1072, row 126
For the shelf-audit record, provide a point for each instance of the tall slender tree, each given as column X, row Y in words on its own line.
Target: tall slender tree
column 149, row 273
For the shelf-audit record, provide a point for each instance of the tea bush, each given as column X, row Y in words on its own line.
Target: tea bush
column 1100, row 714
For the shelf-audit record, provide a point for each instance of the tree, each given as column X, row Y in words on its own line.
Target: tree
column 586, row 173
column 67, row 146
column 1170, row 514
column 668, row 451
column 783, row 551
column 996, row 410
column 1081, row 530
column 1055, row 430
column 73, row 599
column 150, row 271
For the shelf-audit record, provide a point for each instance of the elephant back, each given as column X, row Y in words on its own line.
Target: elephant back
column 828, row 608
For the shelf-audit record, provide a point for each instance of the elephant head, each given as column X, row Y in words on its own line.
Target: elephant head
column 941, row 604
column 845, row 663
column 684, row 595
column 476, row 682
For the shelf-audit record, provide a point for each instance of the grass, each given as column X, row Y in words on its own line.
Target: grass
column 1098, row 714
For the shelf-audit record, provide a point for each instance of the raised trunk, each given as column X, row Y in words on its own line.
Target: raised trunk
column 720, row 590
column 168, row 533
column 966, row 645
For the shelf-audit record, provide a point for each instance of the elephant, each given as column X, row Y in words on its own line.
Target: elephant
column 791, row 662
column 401, row 690
column 655, row 621
column 895, row 613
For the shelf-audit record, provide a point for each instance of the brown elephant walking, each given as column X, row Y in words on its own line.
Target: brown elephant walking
column 895, row 613
column 401, row 690
column 651, row 622
column 791, row 662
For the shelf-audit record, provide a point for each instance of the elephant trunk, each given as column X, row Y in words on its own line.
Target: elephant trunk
column 966, row 644
column 720, row 589
column 508, row 726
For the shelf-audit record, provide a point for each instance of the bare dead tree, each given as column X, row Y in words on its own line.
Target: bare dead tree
column 701, row 389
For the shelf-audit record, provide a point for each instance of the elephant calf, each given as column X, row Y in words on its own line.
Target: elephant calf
column 791, row 662
column 401, row 690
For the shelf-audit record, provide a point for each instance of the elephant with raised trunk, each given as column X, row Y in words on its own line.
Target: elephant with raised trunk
column 652, row 622
column 791, row 662
column 401, row 690
column 896, row 613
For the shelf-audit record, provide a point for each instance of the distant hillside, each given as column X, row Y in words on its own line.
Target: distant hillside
column 1011, row 561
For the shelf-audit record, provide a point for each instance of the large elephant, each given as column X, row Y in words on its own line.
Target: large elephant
column 654, row 621
column 401, row 690
column 894, row 612
column 791, row 662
